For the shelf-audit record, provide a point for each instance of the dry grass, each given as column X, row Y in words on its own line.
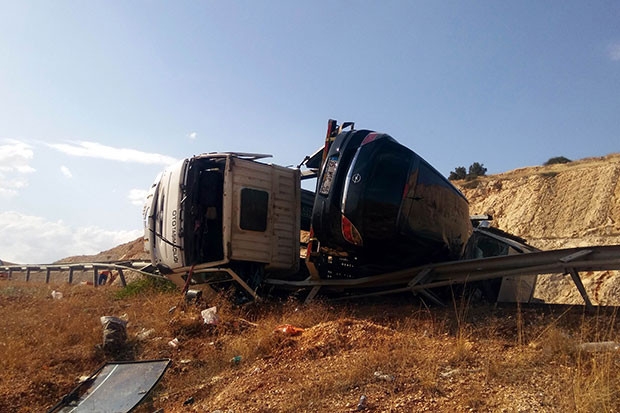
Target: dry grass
column 400, row 355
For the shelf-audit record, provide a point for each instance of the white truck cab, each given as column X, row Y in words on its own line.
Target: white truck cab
column 223, row 212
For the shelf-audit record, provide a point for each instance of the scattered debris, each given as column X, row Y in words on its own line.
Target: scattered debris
column 115, row 387
column 247, row 323
column 210, row 316
column 114, row 333
column 288, row 330
column 56, row 295
column 193, row 296
column 174, row 343
column 145, row 334
column 599, row 347
column 361, row 405
column 189, row 401
column 384, row 377
column 236, row 360
column 449, row 373
column 82, row 379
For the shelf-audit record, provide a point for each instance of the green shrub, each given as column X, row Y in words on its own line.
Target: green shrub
column 459, row 173
column 556, row 160
column 146, row 285
column 476, row 169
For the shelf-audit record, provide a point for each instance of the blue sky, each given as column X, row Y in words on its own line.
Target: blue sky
column 96, row 97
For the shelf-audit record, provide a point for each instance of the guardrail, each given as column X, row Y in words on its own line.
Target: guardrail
column 97, row 268
column 420, row 279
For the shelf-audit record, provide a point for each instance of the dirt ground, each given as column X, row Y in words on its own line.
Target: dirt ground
column 395, row 355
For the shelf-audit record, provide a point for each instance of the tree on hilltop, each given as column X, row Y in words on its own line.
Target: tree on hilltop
column 475, row 170
column 459, row 173
column 557, row 159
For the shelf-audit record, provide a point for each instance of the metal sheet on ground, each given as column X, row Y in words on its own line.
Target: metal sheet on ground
column 116, row 387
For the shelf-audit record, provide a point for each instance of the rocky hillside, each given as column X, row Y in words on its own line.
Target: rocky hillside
column 557, row 206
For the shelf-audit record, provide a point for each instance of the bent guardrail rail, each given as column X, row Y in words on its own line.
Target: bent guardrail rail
column 421, row 279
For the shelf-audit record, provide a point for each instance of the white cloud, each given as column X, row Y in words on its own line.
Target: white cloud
column 15, row 157
column 193, row 135
column 66, row 172
column 27, row 239
column 97, row 150
column 10, row 184
column 137, row 196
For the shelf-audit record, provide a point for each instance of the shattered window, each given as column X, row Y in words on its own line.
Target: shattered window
column 116, row 387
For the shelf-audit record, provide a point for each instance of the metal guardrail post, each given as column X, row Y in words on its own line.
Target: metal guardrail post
column 122, row 277
column 579, row 284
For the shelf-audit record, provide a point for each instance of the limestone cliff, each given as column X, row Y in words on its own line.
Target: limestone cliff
column 558, row 206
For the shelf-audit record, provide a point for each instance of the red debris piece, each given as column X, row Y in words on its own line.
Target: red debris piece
column 289, row 330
